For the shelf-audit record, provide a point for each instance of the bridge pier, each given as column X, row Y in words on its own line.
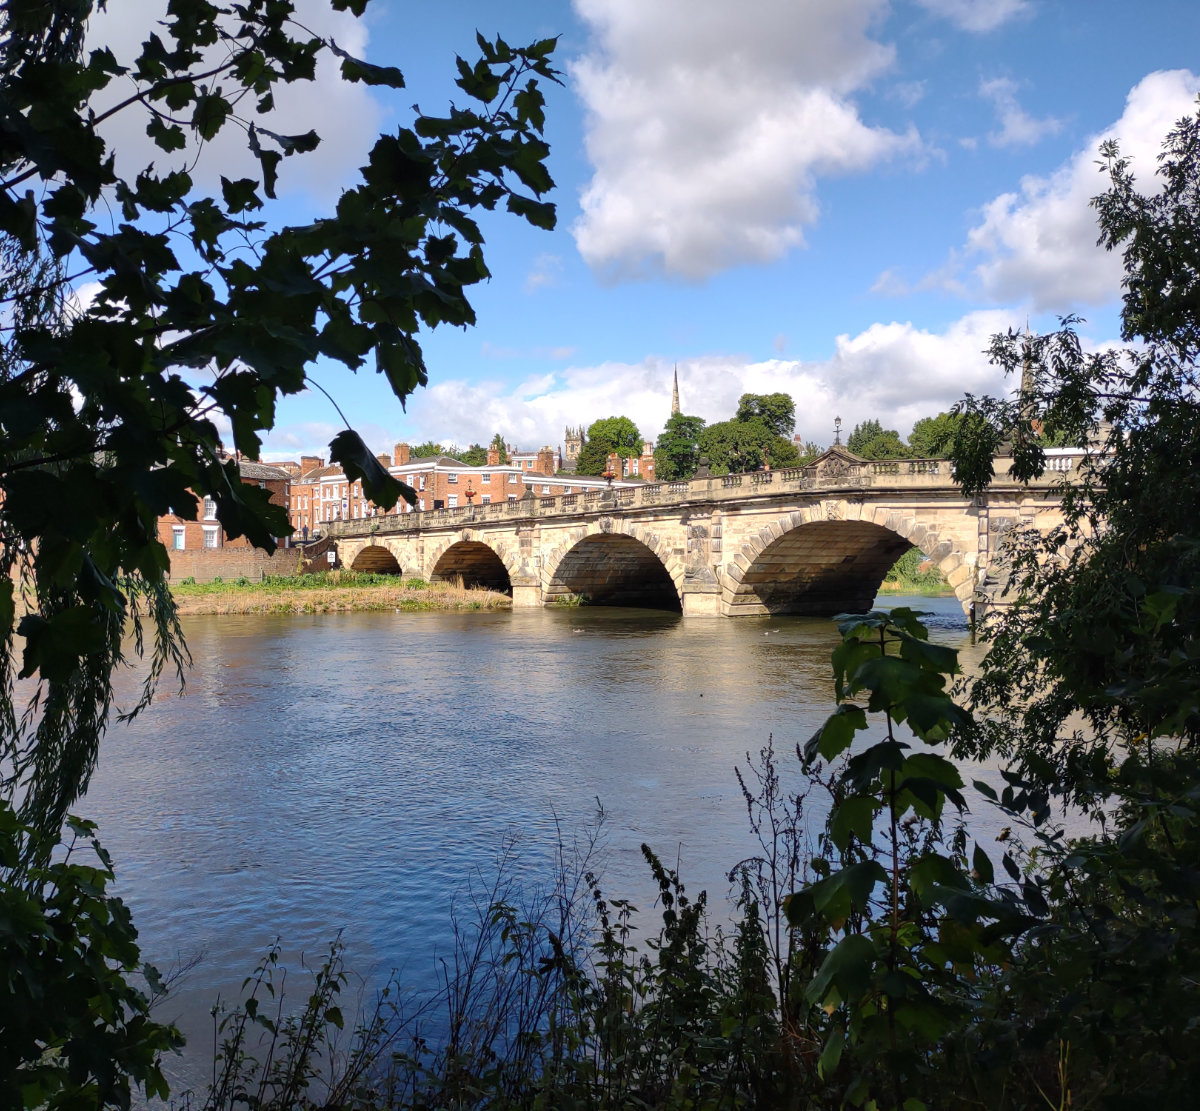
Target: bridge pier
column 525, row 597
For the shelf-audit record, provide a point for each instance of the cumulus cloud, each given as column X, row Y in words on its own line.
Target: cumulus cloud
column 976, row 15
column 1039, row 243
column 708, row 129
column 895, row 372
column 1017, row 127
column 346, row 116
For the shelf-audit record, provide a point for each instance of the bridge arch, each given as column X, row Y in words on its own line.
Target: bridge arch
column 377, row 559
column 476, row 562
column 815, row 562
column 613, row 563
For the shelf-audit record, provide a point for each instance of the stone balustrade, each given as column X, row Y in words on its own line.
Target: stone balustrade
column 915, row 475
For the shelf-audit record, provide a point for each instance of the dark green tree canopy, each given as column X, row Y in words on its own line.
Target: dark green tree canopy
column 474, row 456
column 931, row 437
column 871, row 440
column 204, row 308
column 736, row 446
column 617, row 434
column 776, row 410
column 677, row 452
column 593, row 458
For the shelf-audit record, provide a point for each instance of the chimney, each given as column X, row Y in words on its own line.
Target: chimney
column 545, row 460
column 385, row 460
column 310, row 463
column 493, row 456
column 402, row 454
column 613, row 465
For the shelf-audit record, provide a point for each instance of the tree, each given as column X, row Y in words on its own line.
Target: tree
column 617, row 434
column 870, row 440
column 593, row 458
column 605, row 436
column 776, row 410
column 1092, row 680
column 501, row 448
column 429, row 448
column 931, row 437
column 811, row 451
column 474, row 456
column 677, row 453
column 203, row 309
column 735, row 446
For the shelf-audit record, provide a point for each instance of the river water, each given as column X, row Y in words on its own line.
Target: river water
column 355, row 771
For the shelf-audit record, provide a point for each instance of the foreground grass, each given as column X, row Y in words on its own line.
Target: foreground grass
column 923, row 588
column 329, row 592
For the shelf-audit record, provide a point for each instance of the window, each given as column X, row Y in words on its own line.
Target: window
column 513, row 478
column 486, row 479
column 512, row 497
column 422, row 486
column 633, row 466
column 212, row 536
column 486, row 499
column 210, row 509
column 452, row 501
column 545, row 489
column 452, row 478
column 177, row 539
column 408, row 479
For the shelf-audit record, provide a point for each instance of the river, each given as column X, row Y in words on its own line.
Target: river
column 355, row 771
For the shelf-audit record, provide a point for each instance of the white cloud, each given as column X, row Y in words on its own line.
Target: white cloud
column 895, row 372
column 1017, row 127
column 976, row 15
column 346, row 116
column 547, row 269
column 708, row 128
column 1039, row 243
column 908, row 93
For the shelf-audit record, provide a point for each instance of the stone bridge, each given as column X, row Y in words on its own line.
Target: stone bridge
column 813, row 540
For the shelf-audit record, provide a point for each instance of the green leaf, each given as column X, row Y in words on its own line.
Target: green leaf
column 836, row 896
column 854, row 816
column 355, row 70
column 835, row 736
column 982, row 865
column 356, row 459
column 848, row 970
column 835, row 1043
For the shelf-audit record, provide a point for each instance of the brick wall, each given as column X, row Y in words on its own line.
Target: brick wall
column 230, row 563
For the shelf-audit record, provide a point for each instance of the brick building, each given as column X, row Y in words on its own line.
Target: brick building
column 180, row 535
column 639, row 466
column 323, row 494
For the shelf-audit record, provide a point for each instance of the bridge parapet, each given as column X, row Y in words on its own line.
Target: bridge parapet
column 836, row 476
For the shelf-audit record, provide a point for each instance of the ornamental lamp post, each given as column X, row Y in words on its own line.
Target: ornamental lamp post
column 837, row 431
column 470, row 493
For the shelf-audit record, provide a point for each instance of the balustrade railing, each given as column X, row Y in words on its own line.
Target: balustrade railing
column 835, row 474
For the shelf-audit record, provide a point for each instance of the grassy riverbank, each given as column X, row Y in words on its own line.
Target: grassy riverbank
column 329, row 592
column 912, row 575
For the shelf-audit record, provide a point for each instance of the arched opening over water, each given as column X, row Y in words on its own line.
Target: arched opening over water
column 475, row 565
column 376, row 559
column 612, row 569
column 819, row 569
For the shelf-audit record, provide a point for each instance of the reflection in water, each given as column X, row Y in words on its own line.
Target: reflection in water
column 356, row 770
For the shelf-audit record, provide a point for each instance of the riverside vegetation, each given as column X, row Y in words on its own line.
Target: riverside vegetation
column 889, row 963
column 329, row 592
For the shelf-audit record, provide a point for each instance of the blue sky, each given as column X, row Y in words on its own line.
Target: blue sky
column 841, row 199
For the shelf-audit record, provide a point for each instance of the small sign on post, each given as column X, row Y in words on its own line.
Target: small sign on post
column 330, row 556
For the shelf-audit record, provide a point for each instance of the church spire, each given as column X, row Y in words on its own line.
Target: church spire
column 675, row 394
